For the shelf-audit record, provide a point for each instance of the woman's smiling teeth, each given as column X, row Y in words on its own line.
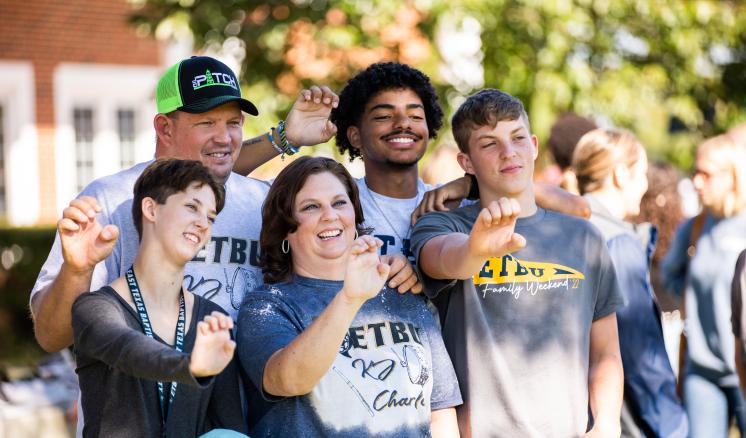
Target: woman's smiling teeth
column 326, row 235
column 191, row 237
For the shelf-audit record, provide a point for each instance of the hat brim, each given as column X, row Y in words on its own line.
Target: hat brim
column 204, row 105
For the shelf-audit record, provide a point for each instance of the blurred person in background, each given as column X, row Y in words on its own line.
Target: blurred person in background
column 738, row 286
column 738, row 133
column 700, row 265
column 661, row 207
column 563, row 137
column 611, row 168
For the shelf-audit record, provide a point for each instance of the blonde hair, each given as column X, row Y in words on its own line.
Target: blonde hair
column 597, row 154
column 727, row 153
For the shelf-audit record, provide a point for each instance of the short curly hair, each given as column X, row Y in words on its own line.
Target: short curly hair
column 374, row 79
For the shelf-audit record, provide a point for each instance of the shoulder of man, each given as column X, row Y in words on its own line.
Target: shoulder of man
column 248, row 181
column 116, row 186
column 468, row 212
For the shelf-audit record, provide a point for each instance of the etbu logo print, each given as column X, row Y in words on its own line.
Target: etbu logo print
column 510, row 276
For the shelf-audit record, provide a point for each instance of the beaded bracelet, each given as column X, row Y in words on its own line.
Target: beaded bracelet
column 287, row 147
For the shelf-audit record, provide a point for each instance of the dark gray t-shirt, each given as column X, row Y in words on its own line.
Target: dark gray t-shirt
column 518, row 332
column 391, row 370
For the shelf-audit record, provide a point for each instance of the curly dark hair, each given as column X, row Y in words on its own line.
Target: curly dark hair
column 167, row 176
column 379, row 77
column 277, row 212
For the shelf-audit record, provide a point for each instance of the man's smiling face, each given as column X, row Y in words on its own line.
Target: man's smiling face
column 213, row 137
column 392, row 129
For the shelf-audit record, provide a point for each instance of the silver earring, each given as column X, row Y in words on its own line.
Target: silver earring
column 356, row 234
column 285, row 246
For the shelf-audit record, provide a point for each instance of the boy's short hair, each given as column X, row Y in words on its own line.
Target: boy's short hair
column 165, row 177
column 485, row 108
column 379, row 77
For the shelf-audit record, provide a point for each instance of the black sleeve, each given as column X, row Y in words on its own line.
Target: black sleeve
column 101, row 332
column 738, row 286
column 225, row 410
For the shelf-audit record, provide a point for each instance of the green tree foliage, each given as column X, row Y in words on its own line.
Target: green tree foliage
column 672, row 71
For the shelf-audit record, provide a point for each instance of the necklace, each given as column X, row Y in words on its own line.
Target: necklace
column 418, row 199
column 165, row 401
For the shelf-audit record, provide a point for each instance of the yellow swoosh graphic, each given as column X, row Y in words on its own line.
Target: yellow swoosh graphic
column 508, row 269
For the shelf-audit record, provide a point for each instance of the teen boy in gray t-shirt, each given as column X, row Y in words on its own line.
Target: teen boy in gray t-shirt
column 527, row 296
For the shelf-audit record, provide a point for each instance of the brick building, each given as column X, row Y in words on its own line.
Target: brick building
column 76, row 101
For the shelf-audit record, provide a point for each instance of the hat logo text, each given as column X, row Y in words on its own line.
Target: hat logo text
column 212, row 79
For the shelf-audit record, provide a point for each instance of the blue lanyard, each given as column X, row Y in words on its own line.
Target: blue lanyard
column 148, row 329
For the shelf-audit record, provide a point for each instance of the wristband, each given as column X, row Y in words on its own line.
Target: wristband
column 274, row 144
column 284, row 143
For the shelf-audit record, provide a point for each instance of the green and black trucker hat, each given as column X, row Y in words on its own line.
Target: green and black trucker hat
column 197, row 85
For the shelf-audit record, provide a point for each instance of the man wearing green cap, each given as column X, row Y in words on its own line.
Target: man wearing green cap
column 200, row 117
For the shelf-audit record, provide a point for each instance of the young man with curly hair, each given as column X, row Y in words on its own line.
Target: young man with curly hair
column 386, row 116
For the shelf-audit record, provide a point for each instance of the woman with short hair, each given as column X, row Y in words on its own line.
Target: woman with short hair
column 154, row 360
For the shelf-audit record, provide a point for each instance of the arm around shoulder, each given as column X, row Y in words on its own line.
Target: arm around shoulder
column 51, row 306
column 555, row 198
column 82, row 242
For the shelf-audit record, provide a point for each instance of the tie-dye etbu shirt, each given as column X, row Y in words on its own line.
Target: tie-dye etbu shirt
column 391, row 370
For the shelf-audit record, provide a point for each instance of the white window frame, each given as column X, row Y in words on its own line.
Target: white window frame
column 17, row 96
column 104, row 89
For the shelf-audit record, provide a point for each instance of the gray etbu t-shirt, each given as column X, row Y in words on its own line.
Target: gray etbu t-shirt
column 222, row 272
column 391, row 370
column 518, row 332
column 390, row 217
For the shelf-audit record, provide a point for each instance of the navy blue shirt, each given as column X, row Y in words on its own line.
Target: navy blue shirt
column 649, row 381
